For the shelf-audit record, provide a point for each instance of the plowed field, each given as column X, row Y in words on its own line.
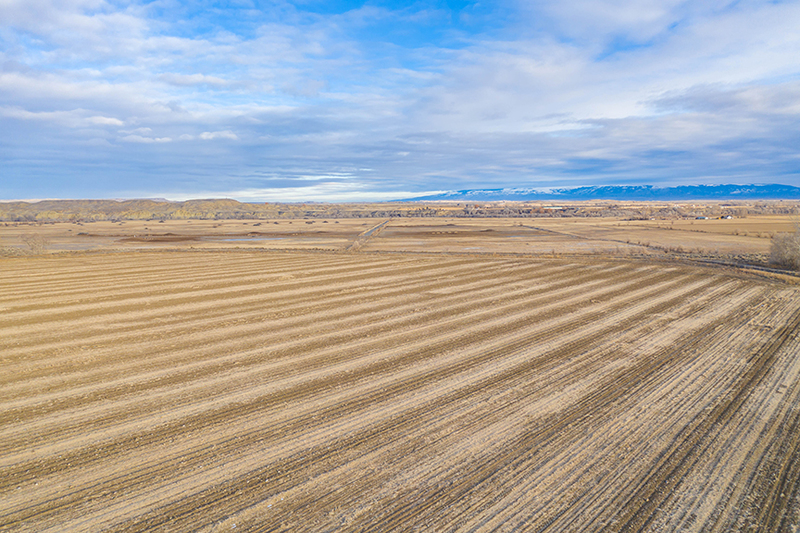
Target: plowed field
column 255, row 391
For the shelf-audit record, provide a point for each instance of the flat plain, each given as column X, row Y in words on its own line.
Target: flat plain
column 603, row 235
column 355, row 383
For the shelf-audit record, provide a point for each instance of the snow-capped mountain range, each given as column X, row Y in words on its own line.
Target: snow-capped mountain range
column 623, row 192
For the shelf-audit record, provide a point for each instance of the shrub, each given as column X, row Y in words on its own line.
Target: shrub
column 35, row 242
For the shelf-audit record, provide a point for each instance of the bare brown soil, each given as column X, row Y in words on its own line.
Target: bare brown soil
column 303, row 391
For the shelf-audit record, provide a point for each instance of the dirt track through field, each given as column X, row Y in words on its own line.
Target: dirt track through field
column 355, row 392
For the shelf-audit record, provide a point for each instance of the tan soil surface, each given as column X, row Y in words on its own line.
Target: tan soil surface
column 270, row 391
column 607, row 235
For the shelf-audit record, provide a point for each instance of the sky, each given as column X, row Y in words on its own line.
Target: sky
column 346, row 100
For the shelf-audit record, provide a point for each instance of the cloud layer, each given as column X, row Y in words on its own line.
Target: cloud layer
column 351, row 100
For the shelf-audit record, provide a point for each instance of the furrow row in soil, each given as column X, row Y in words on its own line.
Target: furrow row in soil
column 359, row 392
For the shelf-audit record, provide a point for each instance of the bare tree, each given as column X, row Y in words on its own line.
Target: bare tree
column 785, row 250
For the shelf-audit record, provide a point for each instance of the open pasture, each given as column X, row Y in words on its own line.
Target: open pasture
column 271, row 391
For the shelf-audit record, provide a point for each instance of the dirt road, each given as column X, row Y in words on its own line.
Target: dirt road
column 301, row 391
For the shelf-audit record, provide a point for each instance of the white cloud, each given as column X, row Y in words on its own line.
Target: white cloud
column 193, row 79
column 211, row 135
column 138, row 131
column 97, row 142
column 544, row 84
column 328, row 192
column 326, row 177
column 595, row 21
column 556, row 92
column 145, row 140
column 68, row 117
column 105, row 121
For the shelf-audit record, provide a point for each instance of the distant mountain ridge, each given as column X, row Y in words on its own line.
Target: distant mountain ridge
column 623, row 192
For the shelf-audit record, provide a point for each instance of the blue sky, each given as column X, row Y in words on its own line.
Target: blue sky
column 352, row 100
